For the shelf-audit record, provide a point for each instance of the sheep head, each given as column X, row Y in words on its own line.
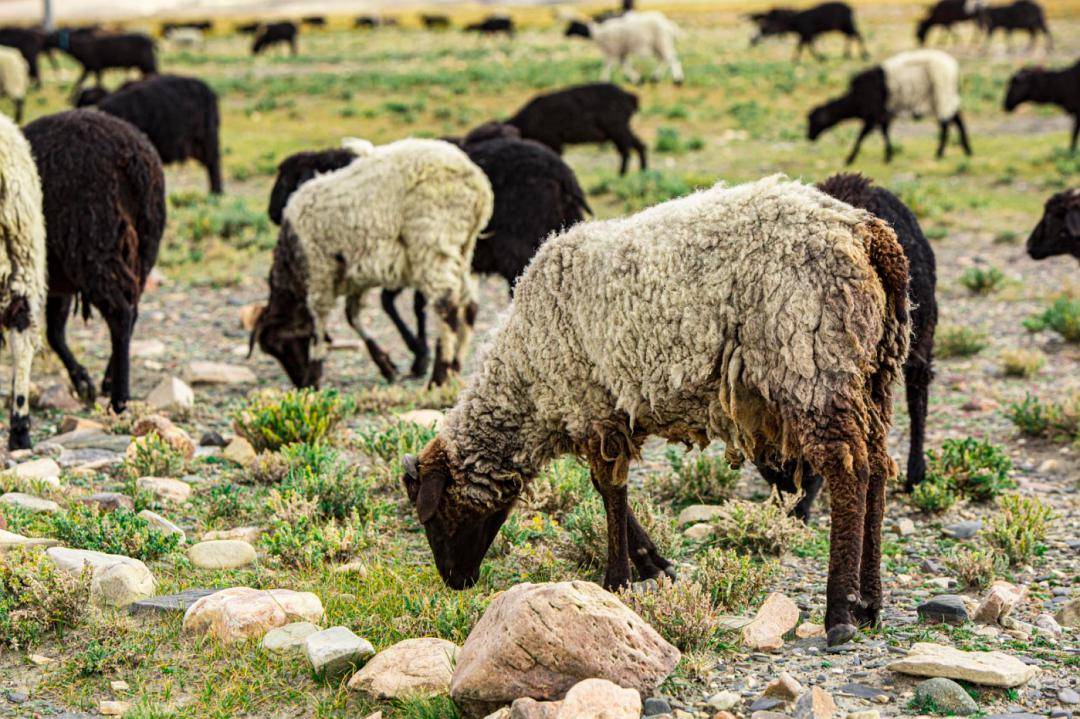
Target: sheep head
column 576, row 28
column 285, row 331
column 459, row 534
column 1020, row 87
column 89, row 96
column 1058, row 232
column 774, row 22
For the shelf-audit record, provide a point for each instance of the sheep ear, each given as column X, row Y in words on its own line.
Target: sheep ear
column 431, row 492
column 1072, row 222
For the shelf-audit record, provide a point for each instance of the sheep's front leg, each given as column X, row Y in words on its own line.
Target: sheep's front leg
column 1075, row 133
column 353, row 306
column 867, row 128
column 643, row 551
column 613, row 491
column 959, row 122
column 630, row 71
column 449, row 319
column 943, row 137
column 22, row 357
column 121, row 323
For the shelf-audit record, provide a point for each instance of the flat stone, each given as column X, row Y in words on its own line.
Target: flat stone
column 655, row 706
column 108, row 501
column 30, row 503
column 995, row 669
column 410, row 667
column 201, row 372
column 815, row 704
column 699, row 532
column 600, row 698
column 861, row 691
column 165, row 489
column 699, row 513
column 113, row 708
column 222, row 554
column 1067, row 695
column 75, row 424
column 92, row 439
column 42, row 470
column 1069, row 615
column 289, row 637
column 944, row 609
column 336, row 650
column 947, row 696
column 169, row 603
column 764, row 704
column 119, row 686
column 88, row 455
column 9, row 540
column 962, row 530
column 809, row 630
column 159, row 522
column 864, row 714
column 241, row 613
column 722, row 701
column 777, row 616
column 430, row 418
column 146, row 349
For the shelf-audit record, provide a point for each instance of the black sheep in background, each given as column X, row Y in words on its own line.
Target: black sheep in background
column 274, row 34
column 1058, row 232
column 1023, row 15
column 178, row 114
column 104, row 194
column 202, row 25
column 593, row 113
column 1049, row 87
column 859, row 191
column 98, row 52
column 493, row 24
column 30, row 42
column 946, row 13
column 297, row 169
column 808, row 24
column 313, row 21
column 248, row 28
column 435, row 22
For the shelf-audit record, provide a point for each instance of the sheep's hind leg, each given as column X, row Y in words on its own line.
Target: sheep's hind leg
column 57, row 309
column 353, row 305
column 943, row 137
column 643, row 551
column 959, row 121
column 22, row 357
column 613, row 492
column 866, row 129
column 868, row 609
column 121, row 322
column 449, row 318
column 917, row 378
column 417, row 343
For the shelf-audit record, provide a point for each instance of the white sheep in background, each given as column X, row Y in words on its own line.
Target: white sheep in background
column 22, row 269
column 406, row 214
column 188, row 37
column 14, row 78
column 633, row 34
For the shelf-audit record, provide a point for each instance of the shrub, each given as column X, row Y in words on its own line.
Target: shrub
column 271, row 419
column 1050, row 420
column 1063, row 317
column 266, row 468
column 228, row 501
column 1022, row 363
column 338, row 490
column 152, row 456
column 696, row 478
column 383, row 398
column 933, row 495
column 305, row 543
column 1018, row 529
column 682, row 612
column 972, row 468
column 585, row 543
column 36, row 597
column 982, row 282
column 390, row 442
column 733, row 581
column 959, row 342
column 760, row 528
column 119, row 531
column 668, row 140
column 975, row 568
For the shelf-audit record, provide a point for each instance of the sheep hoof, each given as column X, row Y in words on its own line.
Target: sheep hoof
column 84, row 387
column 840, row 634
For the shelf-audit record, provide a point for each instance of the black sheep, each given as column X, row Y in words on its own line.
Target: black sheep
column 297, row 169
column 1053, row 87
column 493, row 24
column 859, row 191
column 104, row 204
column 178, row 114
column 808, row 24
column 1058, row 232
column 366, row 21
column 1023, row 15
column 314, row 21
column 273, row 34
column 594, row 113
column 435, row 22
column 945, row 13
column 248, row 28
column 30, row 43
column 203, row 25
column 98, row 52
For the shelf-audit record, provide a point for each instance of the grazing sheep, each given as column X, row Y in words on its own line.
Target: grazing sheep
column 915, row 83
column 405, row 214
column 808, row 24
column 776, row 320
column 98, row 52
column 1058, row 232
column 178, row 114
column 599, row 112
column 946, row 14
column 104, row 209
column 435, row 22
column 186, row 37
column 202, row 25
column 313, row 21
column 633, row 34
column 860, row 192
column 1053, row 87
column 30, row 43
column 14, row 79
column 22, row 270
column 493, row 24
column 297, row 169
column 248, row 28
column 275, row 34
column 1020, row 15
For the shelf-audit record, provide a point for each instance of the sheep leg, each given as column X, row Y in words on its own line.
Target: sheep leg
column 623, row 149
column 888, row 142
column 943, row 136
column 353, row 305
column 917, row 377
column 866, row 130
column 19, row 104
column 868, row 609
column 22, row 357
column 449, row 318
column 630, row 71
column 1075, row 133
column 465, row 331
column 783, row 479
column 57, row 309
column 417, row 343
column 79, row 83
column 613, row 492
column 643, row 551
column 121, row 322
column 609, row 68
column 963, row 133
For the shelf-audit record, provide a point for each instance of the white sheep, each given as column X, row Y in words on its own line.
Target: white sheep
column 186, row 37
column 406, row 214
column 634, row 34
column 22, row 269
column 14, row 78
column 768, row 315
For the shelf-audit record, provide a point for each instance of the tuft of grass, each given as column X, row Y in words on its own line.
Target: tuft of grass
column 971, row 468
column 37, row 598
column 1046, row 419
column 317, row 473
column 695, row 478
column 959, row 342
column 669, row 141
column 153, row 456
column 267, row 468
column 1063, row 317
column 975, row 568
column 389, row 442
column 1022, row 363
column 119, row 531
column 426, row 708
column 648, row 188
column 733, row 581
column 682, row 612
column 982, row 281
column 384, row 398
column 759, row 528
column 1018, row 529
column 933, row 495
column 271, row 419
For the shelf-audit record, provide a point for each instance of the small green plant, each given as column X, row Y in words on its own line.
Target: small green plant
column 305, row 543
column 338, row 490
column 1022, row 363
column 1018, row 529
column 267, row 468
column 734, row 581
column 649, row 187
column 759, row 528
column 975, row 568
column 119, row 531
column 1063, row 317
column 695, row 478
column 933, row 495
column 972, row 468
column 153, row 456
column 982, row 281
column 37, row 598
column 959, row 342
column 271, row 419
column 426, row 708
column 1049, row 420
column 390, row 442
column 228, row 501
column 682, row 612
column 668, row 140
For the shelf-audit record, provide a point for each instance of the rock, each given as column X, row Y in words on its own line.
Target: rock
column 336, row 650
column 962, row 530
column 146, row 349
column 212, row 439
column 90, row 459
column 221, row 554
column 1049, row 466
column 538, row 640
column 201, row 372
column 529, row 708
column 113, row 708
column 40, row 660
column 119, row 686
column 171, row 393
column 1066, row 695
column 9, row 540
column 946, row 696
column 655, row 706
column 723, row 715
column 763, row 714
column 724, row 700
column 699, row 532
column 115, row 580
column 863, row 692
column 163, row 427
column 239, row 451
column 699, row 513
column 864, row 714
column 944, row 609
column 995, row 669
column 1048, row 625
column 1067, row 616
column 412, row 666
column 904, row 527
column 241, row 612
column 244, row 534
column 71, row 424
column 108, row 501
column 39, row 470
column 169, row 603
column 92, row 439
column 430, row 418
column 1000, row 600
column 809, row 630
column 289, row 637
column 777, row 616
column 30, row 503
column 785, row 687
column 762, row 704
column 815, row 704
column 164, row 489
column 599, row 699
column 159, row 522
column 58, row 397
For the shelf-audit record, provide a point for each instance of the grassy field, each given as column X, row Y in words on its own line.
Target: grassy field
column 740, row 115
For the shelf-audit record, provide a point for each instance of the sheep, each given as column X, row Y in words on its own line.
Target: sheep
column 186, row 37
column 1019, row 15
column 22, row 270
column 14, row 79
column 493, row 24
column 297, row 169
column 179, row 115
column 104, row 205
column 98, row 52
column 313, row 21
column 248, row 28
column 633, row 33
column 860, row 192
column 1058, row 232
column 946, row 14
column 598, row 112
column 202, row 25
column 30, row 43
column 808, row 24
column 273, row 34
column 404, row 214
column 768, row 315
column 435, row 22
column 1054, row 87
column 916, row 83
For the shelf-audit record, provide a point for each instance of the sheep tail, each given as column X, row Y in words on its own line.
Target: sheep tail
column 891, row 266
column 357, row 146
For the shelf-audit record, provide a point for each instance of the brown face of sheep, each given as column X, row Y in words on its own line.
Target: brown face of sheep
column 286, row 336
column 459, row 537
column 1058, row 232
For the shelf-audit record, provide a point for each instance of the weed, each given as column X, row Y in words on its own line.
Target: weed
column 933, row 495
column 228, row 501
column 338, row 490
column 759, row 528
column 585, row 543
column 975, row 567
column 1022, row 363
column 37, row 598
column 971, row 468
column 384, row 398
column 153, row 456
column 682, row 612
column 390, row 442
column 266, row 468
column 1063, row 317
column 271, row 419
column 695, row 478
column 644, row 189
column 119, row 531
column 959, row 342
column 560, row 487
column 982, row 281
column 1018, row 529
column 734, row 581
column 669, row 141
column 1046, row 419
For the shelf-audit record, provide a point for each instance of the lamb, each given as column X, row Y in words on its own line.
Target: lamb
column 860, row 192
column 741, row 339
column 22, row 270
column 406, row 214
column 493, row 24
column 14, row 79
column 808, row 24
column 1020, row 15
column 104, row 205
column 274, row 34
column 178, row 114
column 916, row 83
column 599, row 112
column 1054, row 87
column 98, row 52
column 30, row 43
column 633, row 33
column 1058, row 232
column 946, row 14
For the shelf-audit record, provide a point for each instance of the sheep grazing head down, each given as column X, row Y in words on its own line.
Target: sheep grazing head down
column 284, row 330
column 1020, row 87
column 578, row 29
column 459, row 534
column 774, row 22
column 1058, row 232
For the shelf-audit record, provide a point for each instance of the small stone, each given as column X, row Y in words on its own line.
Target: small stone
column 335, row 650
column 108, row 501
column 212, row 439
column 723, row 715
column 119, row 686
column 71, row 424
column 765, row 714
column 696, row 513
column 1067, row 616
column 904, row 527
column 962, row 530
column 655, row 706
column 808, row 630
column 1049, row 466
column 171, row 393
column 40, row 660
column 766, row 704
column 164, row 489
column 724, row 700
column 410, row 667
column 865, row 714
column 221, row 554
column 30, row 503
column 159, row 522
column 201, row 372
column 163, row 427
column 429, row 418
column 946, row 695
column 784, row 687
column 169, row 603
column 113, row 708
column 239, row 451
column 1048, row 625
column 17, row 696
column 1068, row 696
column 1001, row 599
column 699, row 532
column 10, row 539
column 944, row 609
column 58, row 397
column 777, row 616
column 147, row 349
column 600, row 698
column 289, row 637
column 815, row 704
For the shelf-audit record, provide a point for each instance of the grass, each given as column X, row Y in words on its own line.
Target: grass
column 951, row 342
column 982, row 281
column 270, row 419
column 971, row 468
column 1018, row 529
column 1062, row 317
column 1047, row 419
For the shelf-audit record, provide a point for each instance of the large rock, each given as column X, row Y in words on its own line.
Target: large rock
column 200, row 372
column 30, row 503
column 222, row 554
column 336, row 650
column 946, row 696
column 777, row 616
column 164, row 489
column 169, row 603
column 115, row 580
column 412, row 666
column 1001, row 599
column 240, row 613
column 171, row 393
column 1069, row 615
column 994, row 669
column 538, row 640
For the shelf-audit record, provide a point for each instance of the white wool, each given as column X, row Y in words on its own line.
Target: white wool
column 14, row 74
column 357, row 146
column 186, row 36
column 923, row 83
column 637, row 33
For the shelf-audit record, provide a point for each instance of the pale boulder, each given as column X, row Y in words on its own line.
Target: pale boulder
column 164, row 489
column 159, row 522
column 30, row 503
column 171, row 393
column 777, row 616
column 994, row 669
column 222, row 554
column 289, row 637
column 239, row 451
column 599, row 699
column 410, row 667
column 696, row 513
column 334, row 651
column 9, row 540
column 115, row 580
column 44, row 470
column 240, row 613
